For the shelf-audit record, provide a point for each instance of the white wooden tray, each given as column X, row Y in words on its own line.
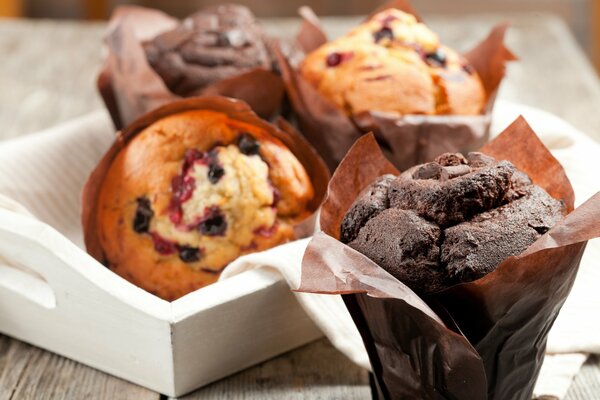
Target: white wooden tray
column 55, row 296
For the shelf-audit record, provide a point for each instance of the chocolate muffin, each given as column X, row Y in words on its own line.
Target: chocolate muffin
column 192, row 192
column 213, row 44
column 449, row 221
column 394, row 63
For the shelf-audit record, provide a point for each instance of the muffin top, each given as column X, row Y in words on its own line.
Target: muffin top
column 192, row 192
column 213, row 44
column 449, row 221
column 394, row 63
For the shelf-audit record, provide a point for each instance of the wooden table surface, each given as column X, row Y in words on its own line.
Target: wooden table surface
column 47, row 75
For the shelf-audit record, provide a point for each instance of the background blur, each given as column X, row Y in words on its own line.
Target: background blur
column 583, row 16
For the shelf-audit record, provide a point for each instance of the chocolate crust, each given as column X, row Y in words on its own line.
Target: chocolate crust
column 372, row 201
column 213, row 44
column 449, row 221
column 406, row 246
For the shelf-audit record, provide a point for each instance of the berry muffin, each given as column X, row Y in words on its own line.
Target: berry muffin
column 394, row 63
column 449, row 221
column 213, row 44
column 190, row 193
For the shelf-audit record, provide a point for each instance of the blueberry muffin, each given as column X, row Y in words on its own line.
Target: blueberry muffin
column 192, row 192
column 213, row 44
column 449, row 221
column 394, row 63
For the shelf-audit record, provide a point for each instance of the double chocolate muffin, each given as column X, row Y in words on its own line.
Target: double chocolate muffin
column 213, row 44
column 449, row 221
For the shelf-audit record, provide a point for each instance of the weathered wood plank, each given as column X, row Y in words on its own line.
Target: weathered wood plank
column 14, row 357
column 315, row 371
column 32, row 373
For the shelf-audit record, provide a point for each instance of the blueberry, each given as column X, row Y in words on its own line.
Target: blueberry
column 213, row 223
column 333, row 59
column 215, row 170
column 437, row 58
column 247, row 144
column 215, row 173
column 222, row 39
column 383, row 33
column 468, row 69
column 189, row 254
column 143, row 215
column 276, row 197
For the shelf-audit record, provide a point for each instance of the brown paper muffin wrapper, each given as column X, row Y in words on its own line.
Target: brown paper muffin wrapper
column 235, row 109
column 130, row 87
column 407, row 140
column 479, row 340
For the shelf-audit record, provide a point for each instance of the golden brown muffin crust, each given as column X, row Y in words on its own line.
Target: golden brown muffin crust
column 394, row 63
column 255, row 198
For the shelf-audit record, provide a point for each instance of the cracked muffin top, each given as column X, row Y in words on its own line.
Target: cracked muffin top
column 449, row 221
column 213, row 44
column 394, row 63
column 192, row 192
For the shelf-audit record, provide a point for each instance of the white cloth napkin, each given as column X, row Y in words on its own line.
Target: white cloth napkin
column 43, row 174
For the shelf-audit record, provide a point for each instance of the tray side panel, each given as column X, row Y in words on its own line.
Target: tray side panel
column 230, row 337
column 73, row 316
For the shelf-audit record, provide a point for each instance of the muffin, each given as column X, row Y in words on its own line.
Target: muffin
column 153, row 59
column 394, row 63
column 190, row 193
column 213, row 44
column 449, row 221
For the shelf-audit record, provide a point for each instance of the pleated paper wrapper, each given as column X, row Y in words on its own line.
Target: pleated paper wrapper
column 130, row 87
column 407, row 139
column 479, row 340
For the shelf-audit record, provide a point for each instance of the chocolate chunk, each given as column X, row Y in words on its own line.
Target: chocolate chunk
column 248, row 145
column 143, row 215
column 213, row 222
column 455, row 200
column 189, row 254
column 430, row 170
column 478, row 160
column 451, row 159
column 454, row 171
